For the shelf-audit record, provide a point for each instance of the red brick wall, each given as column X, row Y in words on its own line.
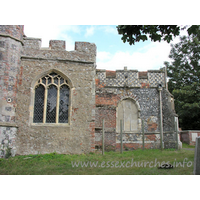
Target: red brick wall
column 107, row 99
column 186, row 136
column 108, row 114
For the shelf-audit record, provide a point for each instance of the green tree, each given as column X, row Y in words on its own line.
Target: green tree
column 184, row 82
column 136, row 33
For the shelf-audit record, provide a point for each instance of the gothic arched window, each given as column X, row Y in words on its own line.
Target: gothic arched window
column 51, row 103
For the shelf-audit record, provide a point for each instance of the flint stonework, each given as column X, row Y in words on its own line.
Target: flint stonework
column 94, row 95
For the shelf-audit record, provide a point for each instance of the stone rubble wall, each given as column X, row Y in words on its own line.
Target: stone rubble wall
column 78, row 67
column 7, row 141
column 114, row 86
column 10, row 72
column 22, row 63
column 94, row 95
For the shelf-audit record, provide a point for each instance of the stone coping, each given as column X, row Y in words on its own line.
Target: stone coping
column 55, row 59
column 131, row 70
column 129, row 87
column 8, row 124
column 4, row 35
column 31, row 38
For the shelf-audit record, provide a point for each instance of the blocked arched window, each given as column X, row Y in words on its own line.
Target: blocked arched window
column 51, row 102
column 128, row 112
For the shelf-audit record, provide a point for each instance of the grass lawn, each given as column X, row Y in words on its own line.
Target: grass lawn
column 184, row 145
column 137, row 162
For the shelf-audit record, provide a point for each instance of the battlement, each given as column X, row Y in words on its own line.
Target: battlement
column 32, row 43
column 84, row 51
column 131, row 78
column 49, row 101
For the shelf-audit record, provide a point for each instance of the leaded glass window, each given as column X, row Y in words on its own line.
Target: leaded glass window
column 51, row 103
column 39, row 104
column 64, row 102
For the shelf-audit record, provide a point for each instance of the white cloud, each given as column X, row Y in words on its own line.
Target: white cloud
column 110, row 29
column 52, row 32
column 89, row 31
column 103, row 56
column 63, row 35
column 67, row 28
column 69, row 42
column 46, row 32
column 152, row 57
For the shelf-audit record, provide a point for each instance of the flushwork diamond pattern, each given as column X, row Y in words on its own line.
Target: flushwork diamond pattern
column 131, row 79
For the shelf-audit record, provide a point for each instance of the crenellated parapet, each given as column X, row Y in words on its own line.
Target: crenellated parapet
column 32, row 43
column 84, row 52
column 131, row 78
column 53, row 100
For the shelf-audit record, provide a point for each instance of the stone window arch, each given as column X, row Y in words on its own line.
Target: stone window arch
column 51, row 99
column 129, row 112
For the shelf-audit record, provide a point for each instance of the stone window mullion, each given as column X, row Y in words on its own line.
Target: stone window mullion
column 51, row 102
column 45, row 105
column 57, row 106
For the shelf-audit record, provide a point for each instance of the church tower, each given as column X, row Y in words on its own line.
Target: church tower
column 11, row 43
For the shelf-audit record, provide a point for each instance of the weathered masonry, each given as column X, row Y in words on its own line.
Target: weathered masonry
column 131, row 96
column 53, row 100
column 47, row 95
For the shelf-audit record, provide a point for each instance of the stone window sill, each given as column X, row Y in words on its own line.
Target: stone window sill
column 50, row 124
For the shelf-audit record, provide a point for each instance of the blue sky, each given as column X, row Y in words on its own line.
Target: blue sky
column 42, row 19
column 112, row 53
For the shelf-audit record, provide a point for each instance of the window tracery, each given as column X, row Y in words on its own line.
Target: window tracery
column 51, row 102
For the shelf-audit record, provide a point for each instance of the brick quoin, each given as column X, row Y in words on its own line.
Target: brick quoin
column 97, row 82
column 20, row 75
